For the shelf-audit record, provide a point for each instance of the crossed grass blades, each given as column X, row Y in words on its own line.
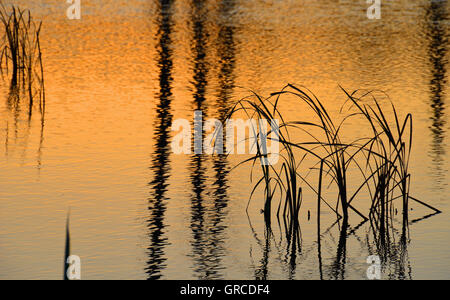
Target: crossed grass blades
column 381, row 158
column 21, row 56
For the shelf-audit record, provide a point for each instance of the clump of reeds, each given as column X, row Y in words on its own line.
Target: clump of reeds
column 21, row 54
column 285, row 180
column 388, row 155
column 381, row 158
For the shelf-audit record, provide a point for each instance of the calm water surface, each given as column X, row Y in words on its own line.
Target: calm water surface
column 117, row 78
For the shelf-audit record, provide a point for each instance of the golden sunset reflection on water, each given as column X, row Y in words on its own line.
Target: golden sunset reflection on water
column 113, row 80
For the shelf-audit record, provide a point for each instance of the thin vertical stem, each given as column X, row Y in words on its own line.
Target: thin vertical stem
column 318, row 220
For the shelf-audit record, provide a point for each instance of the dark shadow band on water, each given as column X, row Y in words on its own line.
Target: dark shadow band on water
column 436, row 30
column 198, row 226
column 160, row 165
column 208, row 209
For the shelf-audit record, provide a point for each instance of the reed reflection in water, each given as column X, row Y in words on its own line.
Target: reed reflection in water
column 160, row 161
column 436, row 29
column 156, row 61
column 21, row 113
column 207, row 218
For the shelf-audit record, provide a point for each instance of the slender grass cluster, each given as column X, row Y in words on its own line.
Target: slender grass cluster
column 388, row 158
column 287, row 179
column 21, row 56
column 381, row 158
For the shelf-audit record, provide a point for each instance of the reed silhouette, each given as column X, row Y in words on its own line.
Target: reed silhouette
column 381, row 158
column 21, row 63
column 21, row 53
column 67, row 248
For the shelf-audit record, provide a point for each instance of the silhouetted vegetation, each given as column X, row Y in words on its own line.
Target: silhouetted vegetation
column 382, row 158
column 21, row 56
